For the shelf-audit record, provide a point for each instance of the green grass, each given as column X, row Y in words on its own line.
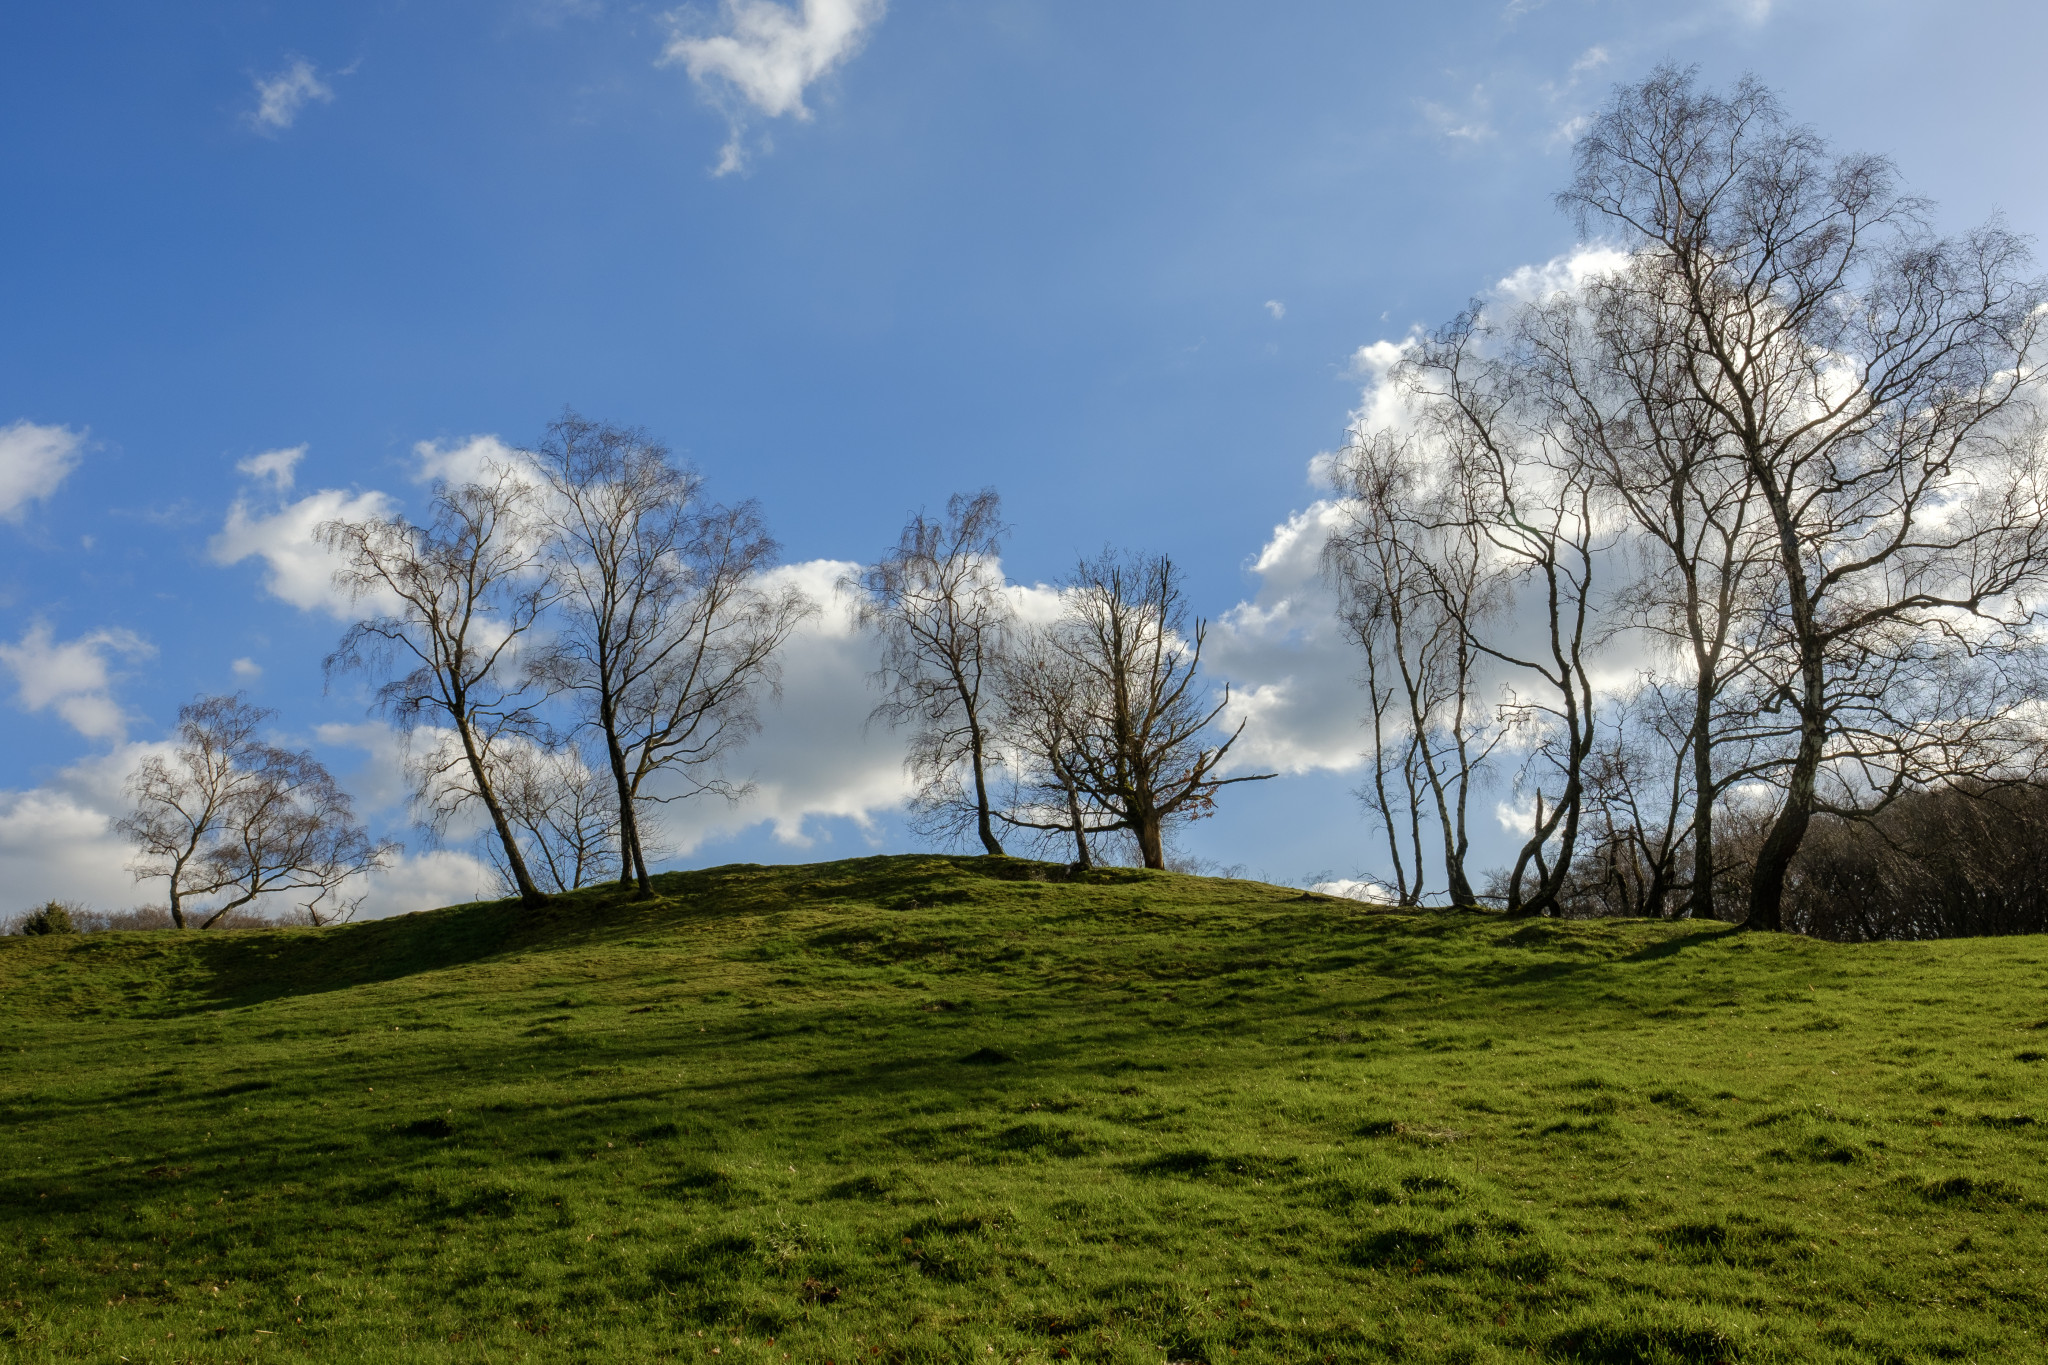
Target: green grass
column 898, row 1109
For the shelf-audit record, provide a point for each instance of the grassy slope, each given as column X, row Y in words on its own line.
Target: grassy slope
column 898, row 1110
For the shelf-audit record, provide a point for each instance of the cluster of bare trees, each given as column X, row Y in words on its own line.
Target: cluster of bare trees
column 1746, row 525
column 572, row 636
column 1094, row 723
column 1714, row 562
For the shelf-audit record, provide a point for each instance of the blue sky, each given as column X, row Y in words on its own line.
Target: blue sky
column 1116, row 260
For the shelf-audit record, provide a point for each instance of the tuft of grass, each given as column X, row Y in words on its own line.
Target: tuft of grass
column 935, row 1109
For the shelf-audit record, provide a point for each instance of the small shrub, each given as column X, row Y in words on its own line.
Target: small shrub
column 53, row 918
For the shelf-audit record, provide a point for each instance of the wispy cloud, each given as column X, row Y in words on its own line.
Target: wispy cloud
column 33, row 461
column 1276, row 308
column 1468, row 123
column 279, row 98
column 73, row 677
column 763, row 56
column 274, row 467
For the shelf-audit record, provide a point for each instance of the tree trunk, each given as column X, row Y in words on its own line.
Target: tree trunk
column 630, row 860
column 1788, row 831
column 529, row 894
column 985, row 827
column 1702, row 901
column 1150, row 846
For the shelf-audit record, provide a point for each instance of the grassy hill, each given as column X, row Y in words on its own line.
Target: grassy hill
column 932, row 1109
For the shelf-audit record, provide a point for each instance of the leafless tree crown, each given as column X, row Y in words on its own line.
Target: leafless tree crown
column 226, row 818
column 1780, row 477
column 936, row 600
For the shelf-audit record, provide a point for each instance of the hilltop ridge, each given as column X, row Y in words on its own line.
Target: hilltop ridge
column 927, row 1108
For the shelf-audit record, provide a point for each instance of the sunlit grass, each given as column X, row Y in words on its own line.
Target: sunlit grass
column 896, row 1110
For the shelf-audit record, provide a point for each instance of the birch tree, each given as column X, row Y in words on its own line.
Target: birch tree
column 936, row 600
column 456, row 600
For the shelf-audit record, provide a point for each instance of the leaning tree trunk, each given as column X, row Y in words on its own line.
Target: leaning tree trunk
column 1788, row 831
column 529, row 894
column 632, row 866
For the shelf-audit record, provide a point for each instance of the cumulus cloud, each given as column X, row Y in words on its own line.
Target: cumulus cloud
column 764, row 55
column 1276, row 308
column 248, row 670
column 814, row 760
column 425, row 881
column 1350, row 888
column 58, row 842
column 298, row 569
column 815, row 757
column 274, row 467
column 469, row 460
column 1292, row 672
column 73, row 677
column 33, row 461
column 280, row 97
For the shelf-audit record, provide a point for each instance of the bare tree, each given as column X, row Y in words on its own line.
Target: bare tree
column 1412, row 585
column 668, row 635
column 226, row 818
column 458, row 598
column 1875, row 381
column 1141, row 757
column 1634, row 856
column 937, row 600
column 565, row 813
column 693, row 695
column 1041, row 723
column 1519, row 484
column 1610, row 376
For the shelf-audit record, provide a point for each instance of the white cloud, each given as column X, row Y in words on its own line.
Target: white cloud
column 472, row 459
column 33, row 461
column 274, row 466
column 247, row 669
column 425, row 881
column 279, row 98
column 73, row 678
column 1568, row 132
column 815, row 757
column 1276, row 308
column 765, row 55
column 1469, row 124
column 1561, row 274
column 57, row 841
column 300, row 569
column 1350, row 888
column 1592, row 59
column 1291, row 671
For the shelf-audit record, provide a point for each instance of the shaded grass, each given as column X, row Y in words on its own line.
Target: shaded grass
column 932, row 1109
